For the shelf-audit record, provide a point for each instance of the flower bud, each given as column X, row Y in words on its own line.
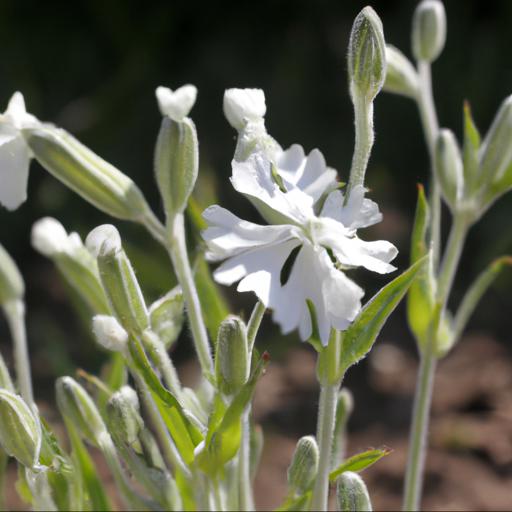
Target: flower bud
column 118, row 278
column 304, row 465
column 12, row 287
column 49, row 236
column 401, row 77
column 20, row 432
column 109, row 333
column 167, row 316
column 366, row 55
column 428, row 30
column 176, row 163
column 84, row 172
column 177, row 104
column 344, row 407
column 448, row 167
column 231, row 363
column 77, row 406
column 496, row 149
column 242, row 106
column 123, row 417
column 351, row 493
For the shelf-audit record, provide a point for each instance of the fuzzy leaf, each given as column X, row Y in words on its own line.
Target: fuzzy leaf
column 359, row 462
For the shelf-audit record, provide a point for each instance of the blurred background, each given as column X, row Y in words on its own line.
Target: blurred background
column 92, row 67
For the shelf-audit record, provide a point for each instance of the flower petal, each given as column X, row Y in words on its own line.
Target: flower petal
column 14, row 164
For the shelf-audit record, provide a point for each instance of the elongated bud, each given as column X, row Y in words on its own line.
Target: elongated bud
column 123, row 417
column 449, row 168
column 496, row 149
column 471, row 149
column 243, row 106
column 351, row 493
column 74, row 261
column 344, row 407
column 20, row 432
column 176, row 152
column 401, row 77
column 366, row 55
column 118, row 278
column 12, row 287
column 428, row 30
column 304, row 465
column 84, row 172
column 231, row 363
column 77, row 406
column 109, row 333
column 167, row 316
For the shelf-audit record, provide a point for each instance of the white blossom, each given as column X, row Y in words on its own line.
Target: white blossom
column 312, row 234
column 176, row 104
column 242, row 106
column 49, row 237
column 14, row 152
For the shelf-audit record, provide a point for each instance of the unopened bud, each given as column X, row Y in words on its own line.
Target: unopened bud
column 86, row 173
column 344, row 407
column 231, row 363
column 448, row 167
column 176, row 104
column 167, row 316
column 123, row 417
column 366, row 55
column 20, row 431
column 243, row 106
column 351, row 493
column 109, row 333
column 12, row 287
column 77, row 406
column 496, row 149
column 304, row 465
column 49, row 236
column 428, row 30
column 401, row 77
column 118, row 278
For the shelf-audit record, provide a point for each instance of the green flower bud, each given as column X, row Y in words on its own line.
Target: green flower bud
column 401, row 77
column 118, row 278
column 428, row 30
column 84, row 172
column 344, row 407
column 77, row 406
column 12, row 287
column 232, row 361
column 109, row 333
column 176, row 152
column 304, row 465
column 123, row 418
column 351, row 493
column 167, row 316
column 20, row 431
column 366, row 55
column 449, row 168
column 496, row 148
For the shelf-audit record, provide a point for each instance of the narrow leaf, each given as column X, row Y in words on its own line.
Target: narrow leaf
column 470, row 149
column 359, row 462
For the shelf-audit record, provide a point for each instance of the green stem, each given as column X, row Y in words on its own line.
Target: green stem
column 178, row 253
column 155, row 227
column 15, row 313
column 363, row 120
column 325, row 433
column 254, row 324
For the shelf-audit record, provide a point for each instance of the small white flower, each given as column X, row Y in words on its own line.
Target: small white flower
column 49, row 237
column 312, row 237
column 242, row 106
column 14, row 152
column 176, row 104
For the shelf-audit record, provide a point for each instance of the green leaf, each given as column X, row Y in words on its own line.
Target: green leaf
column 359, row 338
column 470, row 150
column 213, row 304
column 359, row 462
column 293, row 503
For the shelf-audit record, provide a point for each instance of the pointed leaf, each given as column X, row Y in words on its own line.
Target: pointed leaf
column 359, row 462
column 470, row 150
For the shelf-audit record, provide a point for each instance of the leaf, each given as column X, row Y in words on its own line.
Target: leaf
column 359, row 338
column 213, row 304
column 470, row 150
column 358, row 462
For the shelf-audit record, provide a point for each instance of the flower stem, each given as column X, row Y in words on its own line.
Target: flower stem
column 325, row 433
column 15, row 313
column 178, row 252
column 254, row 324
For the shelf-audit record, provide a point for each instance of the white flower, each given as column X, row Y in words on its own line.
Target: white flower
column 49, row 237
column 14, row 152
column 311, row 239
column 242, row 106
column 177, row 104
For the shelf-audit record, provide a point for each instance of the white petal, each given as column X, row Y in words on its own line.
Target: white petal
column 242, row 106
column 14, row 164
column 177, row 104
column 103, row 240
column 49, row 236
column 228, row 235
column 316, row 177
column 291, row 163
column 17, row 114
